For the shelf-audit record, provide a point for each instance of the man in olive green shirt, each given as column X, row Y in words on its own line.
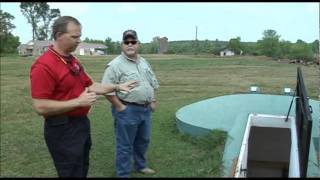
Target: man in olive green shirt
column 131, row 111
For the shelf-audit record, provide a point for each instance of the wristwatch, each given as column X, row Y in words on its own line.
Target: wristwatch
column 117, row 88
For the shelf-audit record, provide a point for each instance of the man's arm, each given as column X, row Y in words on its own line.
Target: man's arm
column 154, row 103
column 49, row 107
column 102, row 89
column 114, row 100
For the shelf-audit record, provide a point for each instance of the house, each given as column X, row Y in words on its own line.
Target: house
column 91, row 49
column 36, row 48
column 226, row 52
column 25, row 50
column 33, row 48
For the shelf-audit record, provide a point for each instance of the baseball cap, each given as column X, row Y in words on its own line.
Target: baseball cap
column 130, row 33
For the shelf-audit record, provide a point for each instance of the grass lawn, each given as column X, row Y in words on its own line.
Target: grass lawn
column 183, row 80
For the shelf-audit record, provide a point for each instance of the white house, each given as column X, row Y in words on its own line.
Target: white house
column 33, row 48
column 36, row 48
column 91, row 49
column 226, row 52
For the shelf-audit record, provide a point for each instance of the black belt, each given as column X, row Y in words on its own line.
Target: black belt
column 135, row 104
column 62, row 119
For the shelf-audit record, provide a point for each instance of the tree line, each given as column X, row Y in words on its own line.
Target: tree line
column 38, row 14
column 40, row 17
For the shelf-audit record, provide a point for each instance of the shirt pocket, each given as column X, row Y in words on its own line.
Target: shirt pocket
column 129, row 76
column 151, row 77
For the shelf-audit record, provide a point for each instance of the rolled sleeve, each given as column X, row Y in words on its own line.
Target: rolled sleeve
column 109, row 77
column 154, row 82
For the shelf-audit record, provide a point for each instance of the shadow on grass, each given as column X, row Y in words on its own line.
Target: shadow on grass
column 211, row 141
column 212, row 146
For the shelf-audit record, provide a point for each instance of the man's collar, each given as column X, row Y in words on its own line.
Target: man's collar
column 130, row 59
column 65, row 58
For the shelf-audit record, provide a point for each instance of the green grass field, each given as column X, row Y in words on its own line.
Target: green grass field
column 183, row 80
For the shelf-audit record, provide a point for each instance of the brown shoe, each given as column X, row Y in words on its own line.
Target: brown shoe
column 147, row 171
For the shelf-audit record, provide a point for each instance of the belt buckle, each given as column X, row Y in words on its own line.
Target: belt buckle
column 145, row 104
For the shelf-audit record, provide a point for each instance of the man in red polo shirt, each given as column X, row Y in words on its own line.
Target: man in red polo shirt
column 62, row 92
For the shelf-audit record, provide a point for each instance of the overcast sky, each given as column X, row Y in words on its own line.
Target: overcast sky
column 178, row 21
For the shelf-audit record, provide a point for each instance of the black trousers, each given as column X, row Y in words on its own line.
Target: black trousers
column 69, row 141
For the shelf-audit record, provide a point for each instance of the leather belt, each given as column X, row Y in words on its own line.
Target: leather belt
column 135, row 104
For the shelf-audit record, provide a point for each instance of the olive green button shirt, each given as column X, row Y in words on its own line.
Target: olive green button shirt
column 122, row 69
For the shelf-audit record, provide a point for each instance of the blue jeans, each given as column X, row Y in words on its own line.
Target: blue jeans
column 132, row 131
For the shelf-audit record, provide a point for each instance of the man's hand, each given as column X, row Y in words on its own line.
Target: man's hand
column 153, row 106
column 127, row 86
column 120, row 108
column 48, row 107
column 86, row 98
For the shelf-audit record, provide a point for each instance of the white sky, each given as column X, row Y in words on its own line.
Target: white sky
column 178, row 21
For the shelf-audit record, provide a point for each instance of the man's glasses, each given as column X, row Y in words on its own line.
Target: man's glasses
column 128, row 42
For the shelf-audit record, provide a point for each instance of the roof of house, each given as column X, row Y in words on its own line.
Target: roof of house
column 23, row 46
column 92, row 45
column 40, row 43
column 47, row 43
column 226, row 49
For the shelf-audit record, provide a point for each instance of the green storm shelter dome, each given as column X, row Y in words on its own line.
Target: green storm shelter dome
column 230, row 113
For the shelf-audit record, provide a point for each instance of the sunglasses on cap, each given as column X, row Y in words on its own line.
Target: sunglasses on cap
column 128, row 42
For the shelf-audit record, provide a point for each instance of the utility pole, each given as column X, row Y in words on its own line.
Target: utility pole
column 196, row 41
column 196, row 33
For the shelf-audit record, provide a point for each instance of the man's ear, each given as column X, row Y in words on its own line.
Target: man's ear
column 58, row 34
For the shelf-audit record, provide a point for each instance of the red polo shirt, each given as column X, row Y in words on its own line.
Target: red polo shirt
column 52, row 79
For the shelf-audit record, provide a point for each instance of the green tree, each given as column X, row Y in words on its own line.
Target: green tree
column 30, row 11
column 37, row 12
column 285, row 49
column 6, row 26
column 218, row 46
column 195, row 47
column 301, row 51
column 207, row 47
column 117, row 47
column 48, row 16
column 315, row 46
column 87, row 40
column 9, row 43
column 269, row 45
column 250, row 48
column 111, row 45
column 235, row 45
